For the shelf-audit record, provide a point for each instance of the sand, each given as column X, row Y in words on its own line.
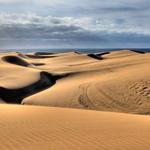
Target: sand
column 116, row 81
column 95, row 101
column 33, row 127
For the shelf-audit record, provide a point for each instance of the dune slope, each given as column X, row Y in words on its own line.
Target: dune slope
column 115, row 81
column 119, row 81
column 28, row 127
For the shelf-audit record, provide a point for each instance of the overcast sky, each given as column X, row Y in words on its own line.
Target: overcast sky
column 74, row 23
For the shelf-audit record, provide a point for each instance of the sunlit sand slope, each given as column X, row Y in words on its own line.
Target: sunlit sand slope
column 114, row 81
column 118, row 82
column 27, row 127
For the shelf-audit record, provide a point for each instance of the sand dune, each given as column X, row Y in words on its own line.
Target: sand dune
column 107, row 84
column 115, row 81
column 17, row 95
column 120, row 54
column 28, row 127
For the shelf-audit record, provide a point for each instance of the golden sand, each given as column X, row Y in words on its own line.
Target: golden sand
column 115, row 84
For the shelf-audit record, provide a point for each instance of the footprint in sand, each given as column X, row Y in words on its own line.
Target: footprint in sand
column 142, row 88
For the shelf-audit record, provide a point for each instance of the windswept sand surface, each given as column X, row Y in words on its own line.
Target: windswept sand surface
column 45, row 128
column 117, row 81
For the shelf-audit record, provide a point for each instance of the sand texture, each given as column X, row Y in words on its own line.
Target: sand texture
column 111, row 91
column 45, row 128
column 116, row 81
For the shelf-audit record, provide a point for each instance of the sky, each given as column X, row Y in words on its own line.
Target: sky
column 74, row 24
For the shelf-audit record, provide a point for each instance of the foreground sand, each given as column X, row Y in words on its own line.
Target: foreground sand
column 33, row 127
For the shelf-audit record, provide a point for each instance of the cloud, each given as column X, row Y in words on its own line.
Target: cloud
column 74, row 22
column 33, row 21
column 10, row 1
column 33, row 30
column 31, row 18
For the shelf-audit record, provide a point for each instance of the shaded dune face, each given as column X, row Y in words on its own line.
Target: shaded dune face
column 39, row 56
column 43, row 53
column 45, row 81
column 38, row 64
column 16, row 95
column 15, row 60
column 137, row 51
column 98, row 56
column 94, row 56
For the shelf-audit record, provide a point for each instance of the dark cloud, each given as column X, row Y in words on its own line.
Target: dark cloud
column 74, row 23
column 121, row 9
column 67, row 36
